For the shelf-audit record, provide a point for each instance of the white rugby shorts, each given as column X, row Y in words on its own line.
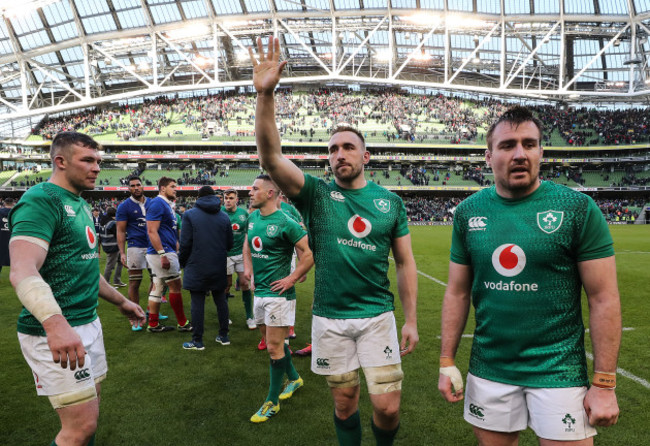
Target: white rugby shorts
column 552, row 413
column 156, row 267
column 343, row 345
column 235, row 263
column 52, row 379
column 136, row 258
column 274, row 311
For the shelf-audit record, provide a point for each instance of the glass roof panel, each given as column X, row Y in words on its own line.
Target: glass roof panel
column 34, row 40
column 126, row 4
column 547, row 7
column 579, row 7
column 288, row 5
column 516, row 7
column 641, row 6
column 461, row 5
column 47, row 59
column 376, row 4
column 489, row 6
column 224, row 8
column 194, row 9
column 256, row 5
column 131, row 18
column 318, row 4
column 432, row 4
column 25, row 24
column 165, row 13
column 88, row 8
column 64, row 32
column 99, row 24
column 346, row 4
column 58, row 12
column 5, row 47
column 72, row 54
column 613, row 7
column 407, row 4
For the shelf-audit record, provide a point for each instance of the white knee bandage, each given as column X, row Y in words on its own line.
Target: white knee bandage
column 349, row 379
column 156, row 291
column 384, row 379
column 73, row 398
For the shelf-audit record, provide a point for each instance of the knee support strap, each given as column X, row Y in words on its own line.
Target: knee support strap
column 156, row 292
column 384, row 379
column 349, row 379
column 73, row 398
column 135, row 277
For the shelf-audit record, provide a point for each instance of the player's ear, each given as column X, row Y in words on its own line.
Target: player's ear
column 488, row 157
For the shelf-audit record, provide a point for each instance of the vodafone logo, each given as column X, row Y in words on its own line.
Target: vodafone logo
column 257, row 243
column 359, row 226
column 509, row 260
column 91, row 237
column 235, row 227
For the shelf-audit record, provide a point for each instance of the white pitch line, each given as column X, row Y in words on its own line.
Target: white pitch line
column 426, row 275
column 626, row 374
column 619, row 370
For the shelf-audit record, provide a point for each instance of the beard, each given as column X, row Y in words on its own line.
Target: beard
column 352, row 173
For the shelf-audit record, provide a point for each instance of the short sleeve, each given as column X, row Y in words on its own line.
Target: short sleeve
column 34, row 217
column 458, row 250
column 122, row 213
column 155, row 211
column 595, row 241
column 401, row 225
column 294, row 231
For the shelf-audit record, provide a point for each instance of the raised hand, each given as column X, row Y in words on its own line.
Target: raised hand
column 267, row 70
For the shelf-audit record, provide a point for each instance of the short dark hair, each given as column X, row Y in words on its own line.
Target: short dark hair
column 111, row 212
column 267, row 177
column 347, row 128
column 63, row 142
column 229, row 191
column 205, row 191
column 164, row 181
column 134, row 177
column 9, row 201
column 515, row 116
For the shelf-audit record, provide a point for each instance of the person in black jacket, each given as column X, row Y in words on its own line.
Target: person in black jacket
column 108, row 238
column 206, row 237
column 4, row 231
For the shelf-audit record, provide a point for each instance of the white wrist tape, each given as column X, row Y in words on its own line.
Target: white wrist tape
column 36, row 296
column 454, row 374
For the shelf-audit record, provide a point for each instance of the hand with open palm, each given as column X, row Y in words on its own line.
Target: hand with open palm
column 267, row 70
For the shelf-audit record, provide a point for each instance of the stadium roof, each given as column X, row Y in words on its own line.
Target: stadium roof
column 66, row 54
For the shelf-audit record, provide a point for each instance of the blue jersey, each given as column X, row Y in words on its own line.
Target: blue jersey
column 158, row 209
column 134, row 214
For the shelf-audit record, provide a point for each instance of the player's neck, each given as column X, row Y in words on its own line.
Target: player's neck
column 356, row 183
column 268, row 209
column 63, row 183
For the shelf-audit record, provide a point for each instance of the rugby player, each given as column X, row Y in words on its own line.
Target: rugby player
column 268, row 246
column 521, row 252
column 353, row 225
column 55, row 272
column 162, row 257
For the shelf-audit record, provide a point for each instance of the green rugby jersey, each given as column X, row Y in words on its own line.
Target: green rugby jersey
column 238, row 222
column 271, row 240
column 71, row 268
column 526, row 287
column 290, row 210
column 351, row 233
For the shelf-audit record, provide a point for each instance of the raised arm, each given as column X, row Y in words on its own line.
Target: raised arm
column 266, row 75
column 407, row 287
column 599, row 280
column 455, row 308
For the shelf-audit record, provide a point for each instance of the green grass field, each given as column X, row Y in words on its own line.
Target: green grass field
column 157, row 393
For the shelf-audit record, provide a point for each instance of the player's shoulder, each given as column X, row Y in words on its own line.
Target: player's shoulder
column 564, row 195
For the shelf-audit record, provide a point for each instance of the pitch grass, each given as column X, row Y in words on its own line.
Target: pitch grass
column 159, row 394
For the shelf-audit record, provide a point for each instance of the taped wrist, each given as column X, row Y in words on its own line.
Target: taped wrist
column 449, row 369
column 36, row 296
column 604, row 380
